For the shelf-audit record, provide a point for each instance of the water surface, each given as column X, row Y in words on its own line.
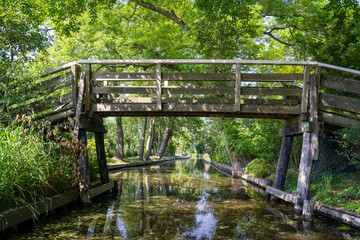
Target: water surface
column 184, row 200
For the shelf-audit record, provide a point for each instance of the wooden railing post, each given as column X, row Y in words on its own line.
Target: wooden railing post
column 305, row 94
column 87, row 98
column 238, row 88
column 75, row 70
column 314, row 114
column 158, row 86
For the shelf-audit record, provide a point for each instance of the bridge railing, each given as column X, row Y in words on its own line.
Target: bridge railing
column 161, row 90
column 180, row 87
column 52, row 95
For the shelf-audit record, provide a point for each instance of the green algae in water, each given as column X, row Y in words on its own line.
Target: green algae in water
column 183, row 201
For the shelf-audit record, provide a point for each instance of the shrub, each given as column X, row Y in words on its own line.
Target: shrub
column 258, row 168
column 349, row 141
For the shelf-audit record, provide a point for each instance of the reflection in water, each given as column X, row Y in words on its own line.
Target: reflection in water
column 120, row 230
column 184, row 200
column 205, row 220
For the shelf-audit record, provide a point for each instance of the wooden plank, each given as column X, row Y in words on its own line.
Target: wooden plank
column 67, row 98
column 125, row 90
column 340, row 83
column 340, row 112
column 248, row 77
column 305, row 92
column 214, row 100
column 60, row 81
column 87, row 89
column 61, row 115
column 238, row 87
column 341, row 69
column 158, row 87
column 337, row 120
column 337, row 214
column 291, row 110
column 260, row 91
column 101, row 189
column 300, row 128
column 196, row 61
column 258, row 181
column 287, row 197
column 15, row 216
column 122, row 76
column 341, row 102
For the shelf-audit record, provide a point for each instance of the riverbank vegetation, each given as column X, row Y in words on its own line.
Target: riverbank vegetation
column 38, row 35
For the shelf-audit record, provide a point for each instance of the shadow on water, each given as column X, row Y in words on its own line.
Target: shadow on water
column 184, row 200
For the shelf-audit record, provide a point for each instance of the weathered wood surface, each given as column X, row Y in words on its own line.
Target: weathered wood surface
column 158, row 87
column 15, row 216
column 190, row 90
column 247, row 77
column 283, row 162
column 216, row 108
column 101, row 157
column 337, row 120
column 287, row 197
column 352, row 219
column 222, row 167
column 305, row 91
column 308, row 209
column 341, row 102
column 303, row 184
column 258, row 181
column 84, row 170
column 213, row 100
column 238, row 79
column 87, row 89
column 101, row 189
column 340, row 83
column 314, row 117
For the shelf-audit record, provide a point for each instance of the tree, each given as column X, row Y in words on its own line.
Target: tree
column 150, row 140
column 141, row 154
column 120, row 142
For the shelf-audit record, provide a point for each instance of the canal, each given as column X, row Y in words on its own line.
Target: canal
column 183, row 200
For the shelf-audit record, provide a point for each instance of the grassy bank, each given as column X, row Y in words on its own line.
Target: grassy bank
column 36, row 161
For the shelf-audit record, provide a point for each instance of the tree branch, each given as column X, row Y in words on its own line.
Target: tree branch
column 171, row 15
column 269, row 33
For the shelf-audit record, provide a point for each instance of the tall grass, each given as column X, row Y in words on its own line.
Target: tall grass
column 35, row 162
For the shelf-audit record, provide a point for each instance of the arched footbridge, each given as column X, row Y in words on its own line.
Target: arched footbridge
column 311, row 97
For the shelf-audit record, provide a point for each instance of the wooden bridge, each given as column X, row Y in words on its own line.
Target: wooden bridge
column 309, row 96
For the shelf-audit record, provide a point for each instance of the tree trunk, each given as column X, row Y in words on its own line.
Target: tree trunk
column 159, row 139
column 141, row 154
column 166, row 139
column 120, row 145
column 150, row 140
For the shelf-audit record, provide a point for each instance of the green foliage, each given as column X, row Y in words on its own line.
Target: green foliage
column 93, row 163
column 349, row 141
column 258, row 168
column 32, row 166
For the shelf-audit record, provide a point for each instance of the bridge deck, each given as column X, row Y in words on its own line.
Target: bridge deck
column 209, row 88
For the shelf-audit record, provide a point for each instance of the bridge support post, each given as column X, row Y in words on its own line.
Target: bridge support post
column 101, row 157
column 303, row 185
column 283, row 163
column 84, row 170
